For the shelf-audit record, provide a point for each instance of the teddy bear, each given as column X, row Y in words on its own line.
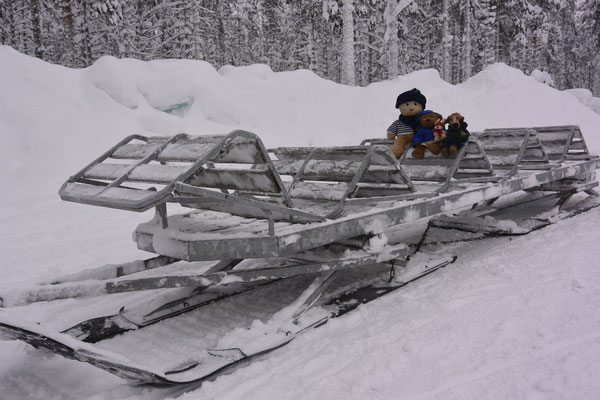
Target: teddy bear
column 425, row 138
column 456, row 135
column 402, row 130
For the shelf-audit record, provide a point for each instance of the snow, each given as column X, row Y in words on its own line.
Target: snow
column 586, row 98
column 512, row 318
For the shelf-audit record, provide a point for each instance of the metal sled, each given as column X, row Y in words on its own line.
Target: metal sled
column 312, row 218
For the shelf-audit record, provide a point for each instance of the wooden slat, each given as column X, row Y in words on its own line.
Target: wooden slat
column 426, row 172
column 500, row 145
column 236, row 179
column 239, row 150
column 554, row 150
column 433, row 161
column 337, row 170
column 153, row 173
column 319, row 191
column 533, row 152
column 502, row 160
column 578, row 145
column 474, row 163
column 90, row 191
column 560, row 136
column 345, row 153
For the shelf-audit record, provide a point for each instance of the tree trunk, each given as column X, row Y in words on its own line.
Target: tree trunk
column 69, row 33
column 348, row 71
column 446, row 39
column 467, row 42
column 38, row 47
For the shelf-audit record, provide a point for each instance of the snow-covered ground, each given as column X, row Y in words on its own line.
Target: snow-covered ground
column 514, row 318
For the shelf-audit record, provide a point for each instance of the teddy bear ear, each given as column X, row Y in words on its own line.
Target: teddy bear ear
column 462, row 118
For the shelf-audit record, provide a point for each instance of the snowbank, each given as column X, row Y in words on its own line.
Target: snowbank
column 472, row 331
column 56, row 119
column 586, row 98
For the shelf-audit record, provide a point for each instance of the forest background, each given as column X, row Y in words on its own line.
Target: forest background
column 355, row 42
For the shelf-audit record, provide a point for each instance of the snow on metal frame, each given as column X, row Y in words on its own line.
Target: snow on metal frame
column 195, row 245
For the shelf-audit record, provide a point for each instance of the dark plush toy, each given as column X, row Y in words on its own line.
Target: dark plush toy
column 456, row 135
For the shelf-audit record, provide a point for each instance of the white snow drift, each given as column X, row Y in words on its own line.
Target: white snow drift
column 513, row 319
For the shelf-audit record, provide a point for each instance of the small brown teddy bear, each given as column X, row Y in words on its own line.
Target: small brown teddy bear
column 425, row 138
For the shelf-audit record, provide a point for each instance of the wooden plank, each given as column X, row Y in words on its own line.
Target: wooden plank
column 121, row 285
column 558, row 136
column 578, row 145
column 338, row 170
column 429, row 160
column 154, row 173
column 238, row 150
column 531, row 152
column 426, row 172
column 342, row 153
column 500, row 145
column 349, row 153
column 86, row 191
column 554, row 150
column 493, row 134
column 502, row 160
column 319, row 191
column 230, row 203
column 476, row 164
column 236, row 179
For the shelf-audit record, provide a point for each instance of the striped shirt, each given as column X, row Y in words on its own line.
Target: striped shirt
column 400, row 128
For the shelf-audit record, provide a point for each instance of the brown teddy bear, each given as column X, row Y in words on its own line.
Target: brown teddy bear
column 425, row 138
column 402, row 130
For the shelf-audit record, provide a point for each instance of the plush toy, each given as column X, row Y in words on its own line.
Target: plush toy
column 456, row 135
column 410, row 103
column 424, row 139
column 439, row 131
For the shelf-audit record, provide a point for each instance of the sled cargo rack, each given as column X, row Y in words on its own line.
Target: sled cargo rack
column 561, row 143
column 250, row 202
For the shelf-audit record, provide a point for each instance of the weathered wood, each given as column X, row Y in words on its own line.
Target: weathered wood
column 343, row 153
column 110, row 271
column 319, row 191
column 96, row 288
column 239, row 150
column 236, row 179
column 568, row 186
column 154, row 173
column 503, row 160
column 338, row 170
column 227, row 201
column 83, row 190
column 426, row 172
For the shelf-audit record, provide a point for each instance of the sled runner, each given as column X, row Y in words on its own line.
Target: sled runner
column 295, row 236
